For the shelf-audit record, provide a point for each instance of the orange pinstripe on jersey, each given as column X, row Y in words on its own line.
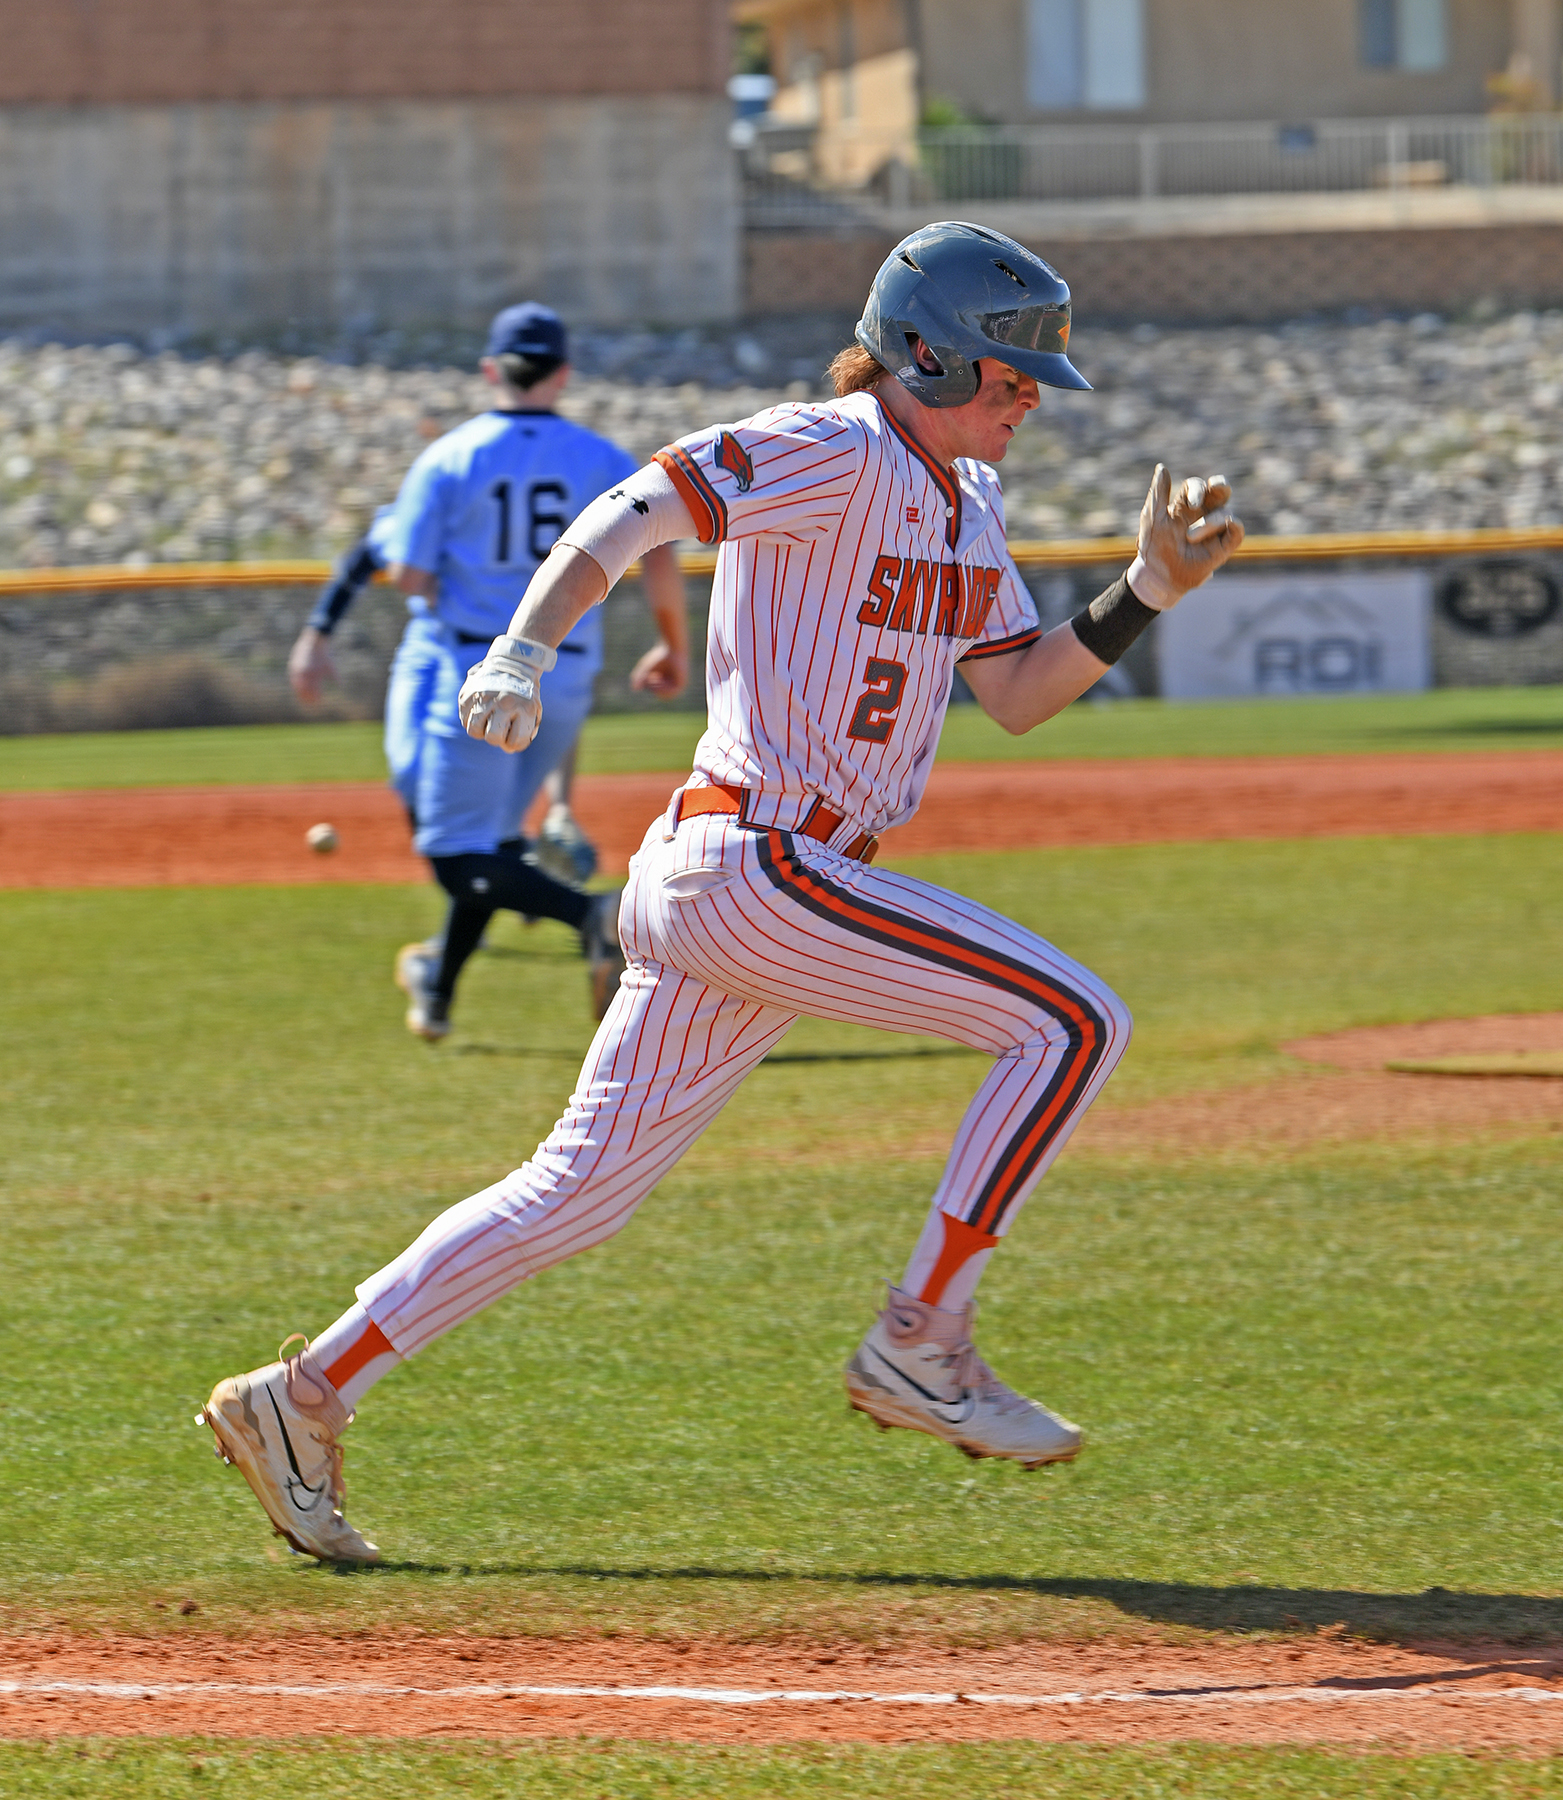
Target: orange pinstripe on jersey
column 854, row 574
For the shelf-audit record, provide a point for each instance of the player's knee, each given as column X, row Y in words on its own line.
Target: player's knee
column 1091, row 1016
column 1118, row 1023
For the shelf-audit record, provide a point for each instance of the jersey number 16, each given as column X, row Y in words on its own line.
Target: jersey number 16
column 544, row 521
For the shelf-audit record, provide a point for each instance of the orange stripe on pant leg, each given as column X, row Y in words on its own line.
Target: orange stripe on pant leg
column 998, row 972
column 1086, row 1029
column 1020, row 1154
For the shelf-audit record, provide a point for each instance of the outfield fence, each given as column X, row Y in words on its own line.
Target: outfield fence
column 184, row 644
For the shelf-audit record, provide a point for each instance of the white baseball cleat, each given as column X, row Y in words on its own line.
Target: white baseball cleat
column 428, row 1013
column 919, row 1368
column 600, row 942
column 280, row 1426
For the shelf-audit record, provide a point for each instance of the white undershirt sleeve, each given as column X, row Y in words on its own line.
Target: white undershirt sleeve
column 619, row 527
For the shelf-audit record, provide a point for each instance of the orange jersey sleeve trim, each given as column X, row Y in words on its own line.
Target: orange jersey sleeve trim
column 706, row 506
column 1002, row 646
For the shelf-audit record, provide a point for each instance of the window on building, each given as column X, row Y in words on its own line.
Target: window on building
column 1412, row 35
column 1085, row 53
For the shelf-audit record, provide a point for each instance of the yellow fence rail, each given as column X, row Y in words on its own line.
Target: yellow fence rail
column 1065, row 553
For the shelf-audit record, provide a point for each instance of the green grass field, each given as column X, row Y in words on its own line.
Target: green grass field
column 628, row 1771
column 1445, row 719
column 1314, row 1389
column 1319, row 1391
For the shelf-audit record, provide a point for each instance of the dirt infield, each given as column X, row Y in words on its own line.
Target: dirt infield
column 215, row 836
column 1309, row 1689
column 1312, row 1687
column 1375, row 1046
column 1356, row 1101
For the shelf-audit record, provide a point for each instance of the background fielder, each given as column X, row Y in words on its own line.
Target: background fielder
column 862, row 556
column 476, row 514
column 562, row 848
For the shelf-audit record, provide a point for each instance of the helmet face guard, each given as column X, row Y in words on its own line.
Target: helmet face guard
column 967, row 292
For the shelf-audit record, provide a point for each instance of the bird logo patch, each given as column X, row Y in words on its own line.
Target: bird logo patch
column 731, row 456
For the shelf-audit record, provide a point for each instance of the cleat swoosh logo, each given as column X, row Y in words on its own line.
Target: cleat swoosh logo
column 296, row 1479
column 952, row 1412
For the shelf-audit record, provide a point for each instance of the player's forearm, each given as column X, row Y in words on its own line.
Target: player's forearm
column 355, row 569
column 664, row 583
column 1022, row 690
column 567, row 586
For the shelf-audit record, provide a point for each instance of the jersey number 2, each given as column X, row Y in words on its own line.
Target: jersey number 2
column 543, row 523
column 873, row 718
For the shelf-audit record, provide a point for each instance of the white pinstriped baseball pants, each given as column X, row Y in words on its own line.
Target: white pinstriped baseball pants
column 730, row 933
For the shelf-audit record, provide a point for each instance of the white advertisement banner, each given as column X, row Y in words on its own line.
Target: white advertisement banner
column 1242, row 636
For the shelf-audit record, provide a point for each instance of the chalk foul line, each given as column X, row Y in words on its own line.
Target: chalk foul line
column 733, row 1696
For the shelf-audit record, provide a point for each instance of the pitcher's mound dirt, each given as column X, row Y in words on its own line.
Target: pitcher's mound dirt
column 1313, row 1689
column 1358, row 1101
column 1376, row 1046
column 214, row 836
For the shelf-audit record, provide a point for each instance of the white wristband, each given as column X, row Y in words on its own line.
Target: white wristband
column 619, row 527
column 524, row 650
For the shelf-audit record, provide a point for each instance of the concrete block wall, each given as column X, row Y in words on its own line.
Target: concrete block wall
column 223, row 217
column 173, row 657
column 181, row 656
column 1252, row 277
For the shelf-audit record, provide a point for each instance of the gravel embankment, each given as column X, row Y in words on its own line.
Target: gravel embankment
column 114, row 455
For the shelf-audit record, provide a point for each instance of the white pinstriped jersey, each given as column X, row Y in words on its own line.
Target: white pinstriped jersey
column 854, row 573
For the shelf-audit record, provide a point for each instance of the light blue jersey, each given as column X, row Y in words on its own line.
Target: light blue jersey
column 379, row 535
column 484, row 505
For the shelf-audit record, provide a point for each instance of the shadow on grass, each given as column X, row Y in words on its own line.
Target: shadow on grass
column 855, row 1056
column 541, row 1053
column 1436, row 1614
column 542, row 952
column 1474, row 728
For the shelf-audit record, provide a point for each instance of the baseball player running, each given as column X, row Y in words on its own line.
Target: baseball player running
column 862, row 556
column 477, row 514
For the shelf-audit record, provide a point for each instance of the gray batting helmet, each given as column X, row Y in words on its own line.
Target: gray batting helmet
column 967, row 292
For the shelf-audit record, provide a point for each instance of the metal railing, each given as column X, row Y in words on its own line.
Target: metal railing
column 107, row 647
column 1029, row 553
column 1047, row 163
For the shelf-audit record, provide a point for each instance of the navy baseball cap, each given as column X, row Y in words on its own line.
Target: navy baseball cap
column 528, row 330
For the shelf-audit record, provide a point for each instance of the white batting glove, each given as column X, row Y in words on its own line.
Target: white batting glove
column 1185, row 536
column 499, row 700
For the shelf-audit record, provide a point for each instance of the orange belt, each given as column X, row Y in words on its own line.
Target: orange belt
column 821, row 824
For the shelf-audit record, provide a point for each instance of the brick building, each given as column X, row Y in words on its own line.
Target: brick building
column 237, row 164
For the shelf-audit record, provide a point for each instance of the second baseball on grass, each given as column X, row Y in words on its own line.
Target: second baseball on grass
column 322, row 839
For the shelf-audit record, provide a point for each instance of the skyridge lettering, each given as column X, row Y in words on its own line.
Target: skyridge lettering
column 961, row 595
